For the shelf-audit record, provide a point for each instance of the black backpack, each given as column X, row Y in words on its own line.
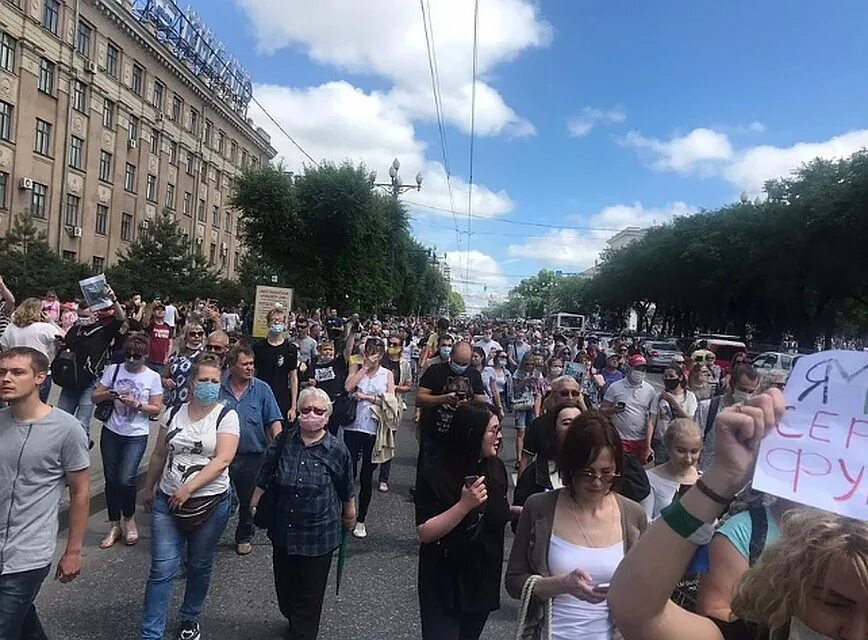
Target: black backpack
column 64, row 370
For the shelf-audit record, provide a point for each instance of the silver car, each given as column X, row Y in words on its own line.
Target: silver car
column 659, row 354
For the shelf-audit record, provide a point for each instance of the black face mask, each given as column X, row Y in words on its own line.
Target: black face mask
column 670, row 384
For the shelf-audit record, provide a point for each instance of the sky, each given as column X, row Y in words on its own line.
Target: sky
column 589, row 116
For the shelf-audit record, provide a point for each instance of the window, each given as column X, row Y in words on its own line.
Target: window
column 170, row 196
column 8, row 44
column 191, row 163
column 215, row 217
column 194, row 120
column 233, row 152
column 137, row 80
column 212, row 252
column 83, row 41
column 209, row 133
column 157, row 99
column 97, row 264
column 5, row 120
column 79, row 96
column 45, row 81
column 151, row 188
column 101, row 219
column 76, row 152
column 221, row 142
column 42, row 142
column 200, row 211
column 228, row 226
column 50, row 15
column 244, row 158
column 130, row 178
column 4, row 185
column 133, row 128
column 105, row 166
column 173, row 152
column 188, row 203
column 38, row 196
column 69, row 255
column 112, row 59
column 73, row 204
column 126, row 227
column 108, row 114
column 218, row 178
column 177, row 107
column 155, row 141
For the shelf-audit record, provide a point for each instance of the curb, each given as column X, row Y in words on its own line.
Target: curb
column 97, row 502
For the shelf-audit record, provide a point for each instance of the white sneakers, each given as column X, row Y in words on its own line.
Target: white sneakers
column 360, row 531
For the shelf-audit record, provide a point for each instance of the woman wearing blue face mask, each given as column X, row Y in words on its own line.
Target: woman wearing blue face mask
column 190, row 471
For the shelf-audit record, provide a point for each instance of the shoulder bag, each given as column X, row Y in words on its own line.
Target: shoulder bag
column 266, row 510
column 544, row 631
column 103, row 411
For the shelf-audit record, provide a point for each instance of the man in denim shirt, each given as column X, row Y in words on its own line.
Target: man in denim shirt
column 259, row 419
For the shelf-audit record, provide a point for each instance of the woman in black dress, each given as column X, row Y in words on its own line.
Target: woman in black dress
column 461, row 512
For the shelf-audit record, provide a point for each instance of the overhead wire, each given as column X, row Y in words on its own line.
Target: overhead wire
column 283, row 131
column 472, row 132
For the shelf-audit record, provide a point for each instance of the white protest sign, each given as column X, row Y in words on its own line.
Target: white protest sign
column 818, row 453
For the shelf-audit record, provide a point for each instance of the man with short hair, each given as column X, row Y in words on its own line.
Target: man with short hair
column 518, row 350
column 445, row 343
column 632, row 404
column 743, row 383
column 306, row 345
column 431, row 343
column 41, row 450
column 171, row 318
column 218, row 344
column 260, row 419
column 277, row 363
column 488, row 345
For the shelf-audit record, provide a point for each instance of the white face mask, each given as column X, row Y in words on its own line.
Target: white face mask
column 800, row 631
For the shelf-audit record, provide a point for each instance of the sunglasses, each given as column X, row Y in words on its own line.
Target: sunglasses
column 135, row 356
column 316, row 410
column 394, row 344
column 218, row 348
column 605, row 478
column 569, row 393
column 195, row 333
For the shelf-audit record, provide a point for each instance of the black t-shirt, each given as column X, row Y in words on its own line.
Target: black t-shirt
column 740, row 630
column 273, row 365
column 90, row 345
column 394, row 366
column 440, row 379
column 329, row 376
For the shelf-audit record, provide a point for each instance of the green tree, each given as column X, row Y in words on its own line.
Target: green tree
column 455, row 304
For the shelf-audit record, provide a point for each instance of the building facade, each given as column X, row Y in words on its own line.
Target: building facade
column 102, row 128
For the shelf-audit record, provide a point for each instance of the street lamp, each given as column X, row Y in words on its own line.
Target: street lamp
column 395, row 185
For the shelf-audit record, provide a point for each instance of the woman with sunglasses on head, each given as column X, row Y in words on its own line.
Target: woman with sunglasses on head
column 461, row 512
column 399, row 365
column 312, row 471
column 137, row 395
column 368, row 385
column 189, row 469
column 177, row 370
column 575, row 537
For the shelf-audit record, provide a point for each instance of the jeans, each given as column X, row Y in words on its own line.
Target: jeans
column 300, row 583
column 243, row 472
column 361, row 444
column 385, row 470
column 18, row 619
column 78, row 404
column 121, row 457
column 168, row 544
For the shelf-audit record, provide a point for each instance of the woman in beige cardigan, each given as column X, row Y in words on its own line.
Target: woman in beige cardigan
column 575, row 537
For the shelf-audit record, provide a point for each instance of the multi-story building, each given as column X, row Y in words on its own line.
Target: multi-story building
column 106, row 122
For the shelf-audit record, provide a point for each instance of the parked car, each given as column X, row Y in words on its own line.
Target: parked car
column 659, row 354
column 775, row 360
column 723, row 349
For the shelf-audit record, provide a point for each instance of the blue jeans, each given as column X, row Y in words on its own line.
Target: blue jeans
column 78, row 404
column 121, row 457
column 18, row 619
column 167, row 550
column 243, row 472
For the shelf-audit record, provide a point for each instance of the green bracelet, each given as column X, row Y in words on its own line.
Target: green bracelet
column 686, row 524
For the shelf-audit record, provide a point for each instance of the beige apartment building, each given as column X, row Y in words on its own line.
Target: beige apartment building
column 103, row 126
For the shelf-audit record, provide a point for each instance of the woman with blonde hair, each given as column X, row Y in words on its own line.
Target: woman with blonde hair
column 30, row 328
column 811, row 585
column 683, row 443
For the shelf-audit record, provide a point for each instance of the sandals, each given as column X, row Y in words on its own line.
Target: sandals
column 112, row 536
column 131, row 533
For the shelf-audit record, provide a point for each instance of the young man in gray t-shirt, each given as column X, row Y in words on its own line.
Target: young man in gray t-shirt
column 41, row 450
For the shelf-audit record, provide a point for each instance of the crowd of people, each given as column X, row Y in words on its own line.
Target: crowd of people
column 630, row 505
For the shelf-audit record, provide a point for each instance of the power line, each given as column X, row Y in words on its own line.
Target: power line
column 472, row 129
column 284, row 132
column 503, row 234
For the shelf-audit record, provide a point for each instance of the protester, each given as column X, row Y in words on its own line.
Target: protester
column 399, row 365
column 434, row 344
column 526, row 404
column 700, row 382
column 218, row 345
column 811, row 584
column 632, row 404
column 676, row 401
column 306, row 344
column 160, row 333
column 518, row 350
column 29, row 329
column 683, row 444
column 50, row 306
column 171, row 314
column 260, row 422
column 68, row 316
column 488, row 345
column 329, row 373
column 498, row 383
column 312, row 472
column 177, row 371
column 7, row 306
column 277, row 363
column 42, row 450
column 570, row 536
column 189, row 469
column 136, row 394
column 609, row 374
column 90, row 340
column 367, row 387
column 562, row 389
column 461, row 511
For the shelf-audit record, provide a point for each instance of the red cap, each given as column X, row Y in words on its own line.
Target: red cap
column 636, row 360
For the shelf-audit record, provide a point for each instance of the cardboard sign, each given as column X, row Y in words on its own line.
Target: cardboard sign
column 818, row 454
column 268, row 298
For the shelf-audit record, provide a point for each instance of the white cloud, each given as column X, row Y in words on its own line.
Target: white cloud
column 477, row 277
column 751, row 127
column 582, row 124
column 700, row 150
column 386, row 39
column 579, row 248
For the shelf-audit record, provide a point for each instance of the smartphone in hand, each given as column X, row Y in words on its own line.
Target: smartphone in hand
column 470, row 480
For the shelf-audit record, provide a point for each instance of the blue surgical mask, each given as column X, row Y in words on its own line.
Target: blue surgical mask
column 445, row 352
column 458, row 368
column 206, row 392
column 277, row 328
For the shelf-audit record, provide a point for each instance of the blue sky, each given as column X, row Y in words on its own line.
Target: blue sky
column 591, row 116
